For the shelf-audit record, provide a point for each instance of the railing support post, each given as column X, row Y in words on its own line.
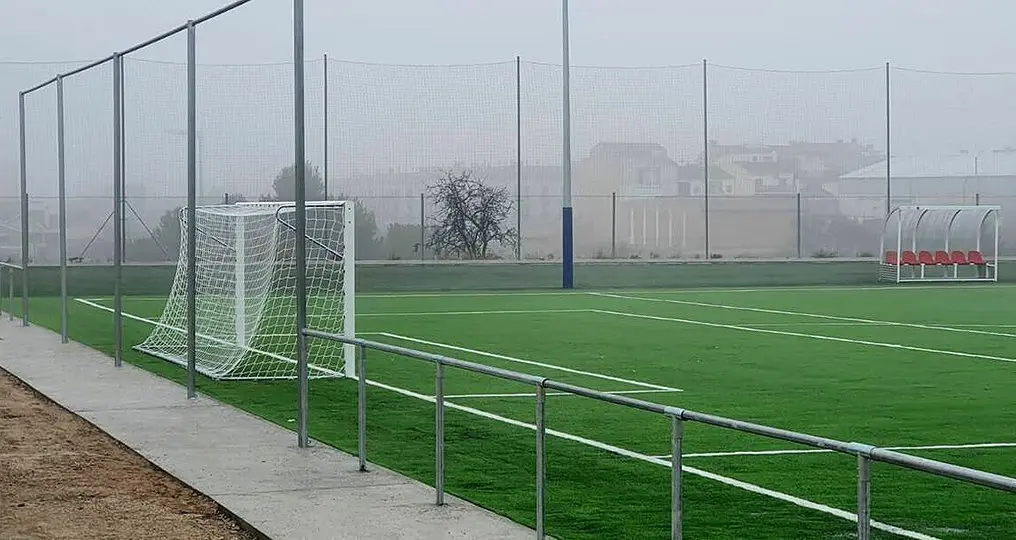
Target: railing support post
column 439, row 433
column 361, row 407
column 863, row 497
column 541, row 472
column 676, row 510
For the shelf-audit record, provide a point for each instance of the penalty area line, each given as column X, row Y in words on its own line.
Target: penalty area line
column 810, row 336
column 530, row 362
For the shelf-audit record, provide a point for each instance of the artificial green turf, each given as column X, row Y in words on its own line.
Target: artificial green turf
column 774, row 368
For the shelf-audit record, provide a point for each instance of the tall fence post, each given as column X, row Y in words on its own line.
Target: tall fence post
column 518, row 157
column 798, row 210
column 23, row 157
column 10, row 287
column 192, row 198
column 300, row 182
column 541, row 457
column 863, row 497
column 676, row 513
column 567, row 222
column 705, row 152
column 325, row 157
column 888, row 142
column 361, row 408
column 613, row 225
column 439, row 434
column 61, row 167
column 117, row 210
column 423, row 226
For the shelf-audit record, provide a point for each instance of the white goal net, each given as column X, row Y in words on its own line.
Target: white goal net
column 246, row 292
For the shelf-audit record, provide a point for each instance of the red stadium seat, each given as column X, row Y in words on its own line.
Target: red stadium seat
column 925, row 258
column 909, row 258
column 942, row 258
column 958, row 257
column 975, row 257
column 890, row 258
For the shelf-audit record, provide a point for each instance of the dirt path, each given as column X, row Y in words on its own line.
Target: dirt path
column 60, row 477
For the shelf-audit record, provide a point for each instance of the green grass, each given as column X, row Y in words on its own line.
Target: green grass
column 870, row 373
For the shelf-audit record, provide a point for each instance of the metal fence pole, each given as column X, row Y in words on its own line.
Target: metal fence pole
column 518, row 157
column 567, row 226
column 325, row 157
column 613, row 225
column 423, row 227
column 361, row 408
column 676, row 509
column 23, row 157
column 192, row 201
column 541, row 457
column 863, row 497
column 888, row 143
column 439, row 434
column 705, row 151
column 10, row 287
column 117, row 209
column 798, row 224
column 300, row 182
column 61, row 166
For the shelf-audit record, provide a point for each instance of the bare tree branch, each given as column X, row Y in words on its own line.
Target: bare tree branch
column 471, row 217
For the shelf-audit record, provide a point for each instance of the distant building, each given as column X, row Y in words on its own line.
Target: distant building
column 960, row 179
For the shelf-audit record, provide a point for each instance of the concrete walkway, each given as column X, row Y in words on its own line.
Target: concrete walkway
column 251, row 467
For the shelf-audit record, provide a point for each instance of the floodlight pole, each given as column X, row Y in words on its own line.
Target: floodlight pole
column 303, row 438
column 567, row 238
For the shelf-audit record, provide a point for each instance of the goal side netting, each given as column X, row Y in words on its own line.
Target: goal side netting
column 246, row 292
column 940, row 243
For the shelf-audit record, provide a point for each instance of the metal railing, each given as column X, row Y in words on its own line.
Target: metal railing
column 865, row 453
column 9, row 269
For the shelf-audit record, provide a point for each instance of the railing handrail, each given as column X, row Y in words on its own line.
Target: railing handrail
column 12, row 266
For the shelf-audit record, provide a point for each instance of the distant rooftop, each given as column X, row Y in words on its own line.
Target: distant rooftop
column 950, row 166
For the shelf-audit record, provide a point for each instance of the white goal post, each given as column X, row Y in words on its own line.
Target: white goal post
column 940, row 243
column 246, row 291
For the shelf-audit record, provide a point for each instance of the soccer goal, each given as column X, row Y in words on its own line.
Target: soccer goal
column 246, row 292
column 940, row 243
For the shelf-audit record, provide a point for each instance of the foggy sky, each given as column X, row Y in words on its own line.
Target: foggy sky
column 972, row 35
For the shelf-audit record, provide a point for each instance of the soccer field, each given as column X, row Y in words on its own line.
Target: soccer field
column 927, row 370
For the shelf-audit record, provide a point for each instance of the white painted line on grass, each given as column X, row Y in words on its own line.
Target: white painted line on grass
column 810, row 336
column 530, row 362
column 824, row 451
column 805, row 314
column 530, row 394
column 490, row 312
column 753, row 488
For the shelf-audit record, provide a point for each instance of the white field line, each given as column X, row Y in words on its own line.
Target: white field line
column 204, row 336
column 807, row 315
column 849, row 324
column 810, row 336
column 490, row 312
column 753, row 488
column 530, row 362
column 824, row 451
column 525, row 394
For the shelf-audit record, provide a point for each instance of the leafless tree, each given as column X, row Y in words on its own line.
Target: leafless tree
column 471, row 217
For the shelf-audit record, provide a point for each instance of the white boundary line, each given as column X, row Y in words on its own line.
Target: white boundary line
column 490, row 312
column 823, row 451
column 753, row 488
column 805, row 314
column 530, row 395
column 530, row 362
column 811, row 336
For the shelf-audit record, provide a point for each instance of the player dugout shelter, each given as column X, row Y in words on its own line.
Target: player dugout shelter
column 940, row 243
